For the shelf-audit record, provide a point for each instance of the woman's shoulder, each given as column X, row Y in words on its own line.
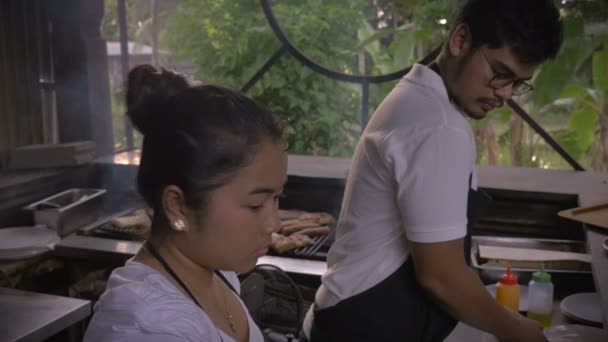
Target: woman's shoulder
column 136, row 282
column 139, row 301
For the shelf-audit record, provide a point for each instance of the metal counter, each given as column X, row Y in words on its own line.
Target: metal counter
column 30, row 316
column 96, row 248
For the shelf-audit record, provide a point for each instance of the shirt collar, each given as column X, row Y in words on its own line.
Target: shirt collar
column 425, row 76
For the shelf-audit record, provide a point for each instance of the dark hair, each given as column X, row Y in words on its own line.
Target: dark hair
column 532, row 28
column 195, row 137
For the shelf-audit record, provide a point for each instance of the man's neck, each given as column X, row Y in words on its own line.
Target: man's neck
column 439, row 66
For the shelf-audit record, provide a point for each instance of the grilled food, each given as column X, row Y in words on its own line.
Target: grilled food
column 282, row 243
column 140, row 220
column 294, row 228
column 295, row 221
column 314, row 231
column 319, row 218
column 298, row 228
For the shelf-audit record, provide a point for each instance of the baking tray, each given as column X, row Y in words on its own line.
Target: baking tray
column 69, row 210
column 546, row 244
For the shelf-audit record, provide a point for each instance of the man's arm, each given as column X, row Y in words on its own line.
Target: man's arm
column 442, row 272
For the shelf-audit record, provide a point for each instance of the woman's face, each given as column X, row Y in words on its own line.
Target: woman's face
column 236, row 226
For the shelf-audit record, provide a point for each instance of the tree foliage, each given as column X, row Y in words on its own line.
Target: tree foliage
column 229, row 40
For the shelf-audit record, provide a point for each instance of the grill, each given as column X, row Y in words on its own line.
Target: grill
column 317, row 249
column 313, row 195
column 112, row 231
column 511, row 214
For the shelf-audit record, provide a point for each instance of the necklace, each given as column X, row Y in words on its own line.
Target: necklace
column 154, row 253
column 228, row 315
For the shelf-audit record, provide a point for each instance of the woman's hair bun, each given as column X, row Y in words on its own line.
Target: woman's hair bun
column 148, row 90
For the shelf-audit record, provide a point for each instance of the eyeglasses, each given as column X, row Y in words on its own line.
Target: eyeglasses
column 501, row 79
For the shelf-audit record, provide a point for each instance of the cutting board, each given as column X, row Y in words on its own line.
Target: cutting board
column 596, row 215
column 527, row 254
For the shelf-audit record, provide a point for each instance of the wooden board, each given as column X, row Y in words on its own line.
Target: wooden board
column 596, row 215
column 527, row 254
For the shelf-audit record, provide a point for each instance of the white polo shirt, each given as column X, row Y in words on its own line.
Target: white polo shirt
column 408, row 181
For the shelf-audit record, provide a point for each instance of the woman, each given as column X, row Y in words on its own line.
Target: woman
column 213, row 165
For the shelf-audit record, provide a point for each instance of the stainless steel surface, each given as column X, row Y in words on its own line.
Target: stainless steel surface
column 68, row 211
column 103, row 219
column 93, row 248
column 29, row 316
column 546, row 244
column 292, row 265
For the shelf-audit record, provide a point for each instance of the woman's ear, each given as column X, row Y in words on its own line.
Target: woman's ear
column 174, row 205
column 460, row 41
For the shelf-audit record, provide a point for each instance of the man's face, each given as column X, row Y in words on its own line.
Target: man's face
column 483, row 79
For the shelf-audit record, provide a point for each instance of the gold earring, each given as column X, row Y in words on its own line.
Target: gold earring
column 179, row 225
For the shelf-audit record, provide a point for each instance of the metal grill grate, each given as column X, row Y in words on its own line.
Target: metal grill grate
column 311, row 250
column 316, row 251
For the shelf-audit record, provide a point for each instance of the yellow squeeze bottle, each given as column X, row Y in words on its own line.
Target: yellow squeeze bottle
column 540, row 297
column 507, row 290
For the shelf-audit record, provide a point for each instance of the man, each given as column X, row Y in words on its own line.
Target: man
column 397, row 271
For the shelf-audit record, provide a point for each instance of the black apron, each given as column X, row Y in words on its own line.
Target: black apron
column 396, row 309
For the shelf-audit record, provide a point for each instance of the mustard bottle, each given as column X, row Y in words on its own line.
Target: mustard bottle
column 507, row 290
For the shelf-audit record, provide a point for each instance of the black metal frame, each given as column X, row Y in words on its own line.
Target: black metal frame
column 363, row 80
column 545, row 135
column 124, row 62
column 288, row 46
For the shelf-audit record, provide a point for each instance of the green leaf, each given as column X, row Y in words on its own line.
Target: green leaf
column 568, row 139
column 403, row 47
column 555, row 74
column 573, row 27
column 600, row 69
column 584, row 123
column 573, row 90
column 367, row 34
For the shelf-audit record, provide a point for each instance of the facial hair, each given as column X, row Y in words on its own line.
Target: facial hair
column 459, row 72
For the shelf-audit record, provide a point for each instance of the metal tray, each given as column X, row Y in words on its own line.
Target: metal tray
column 548, row 244
column 69, row 210
column 96, row 228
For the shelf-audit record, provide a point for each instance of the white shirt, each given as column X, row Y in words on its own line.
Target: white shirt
column 140, row 304
column 408, row 181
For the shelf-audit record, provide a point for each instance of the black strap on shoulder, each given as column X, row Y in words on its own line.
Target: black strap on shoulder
column 169, row 270
column 219, row 274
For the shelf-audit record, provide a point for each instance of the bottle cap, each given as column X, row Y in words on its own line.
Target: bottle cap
column 508, row 278
column 541, row 276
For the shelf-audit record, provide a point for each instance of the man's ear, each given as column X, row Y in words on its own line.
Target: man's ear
column 459, row 42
